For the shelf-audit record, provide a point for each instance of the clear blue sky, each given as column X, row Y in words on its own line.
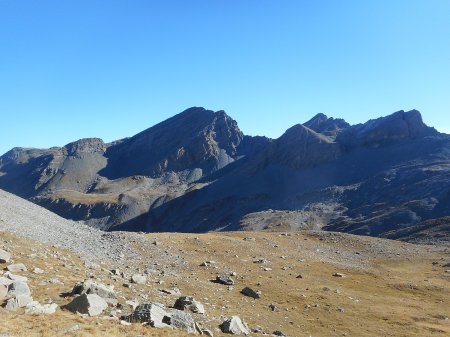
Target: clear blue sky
column 82, row 68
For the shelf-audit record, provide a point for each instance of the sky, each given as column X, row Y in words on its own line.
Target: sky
column 104, row 68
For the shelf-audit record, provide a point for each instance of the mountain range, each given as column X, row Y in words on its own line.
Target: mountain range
column 197, row 172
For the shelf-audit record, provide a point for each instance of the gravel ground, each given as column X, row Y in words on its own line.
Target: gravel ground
column 29, row 220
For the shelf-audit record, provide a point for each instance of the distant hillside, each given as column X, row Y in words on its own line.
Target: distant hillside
column 198, row 172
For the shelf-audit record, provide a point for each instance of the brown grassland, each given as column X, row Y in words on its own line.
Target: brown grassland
column 389, row 288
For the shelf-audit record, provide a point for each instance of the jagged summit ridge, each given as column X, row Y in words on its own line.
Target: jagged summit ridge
column 328, row 126
column 400, row 125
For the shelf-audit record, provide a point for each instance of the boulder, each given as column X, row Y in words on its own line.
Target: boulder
column 38, row 309
column 17, row 288
column 251, row 293
column 4, row 256
column 14, row 277
column 90, row 304
column 189, row 303
column 16, row 267
column 19, row 301
column 235, row 326
column 90, row 287
column 151, row 313
column 181, row 320
column 5, row 281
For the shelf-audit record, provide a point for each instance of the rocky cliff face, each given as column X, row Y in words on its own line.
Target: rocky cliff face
column 197, row 171
column 196, row 139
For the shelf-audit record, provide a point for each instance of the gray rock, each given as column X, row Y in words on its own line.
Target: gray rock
column 261, row 260
column 235, row 326
column 138, row 279
column 173, row 291
column 224, row 279
column 151, row 313
column 16, row 267
column 19, row 301
column 189, row 303
column 90, row 287
column 17, row 288
column 14, row 277
column 181, row 320
column 251, row 293
column 92, row 304
column 38, row 271
column 37, row 309
column 4, row 256
column 5, row 281
column 273, row 307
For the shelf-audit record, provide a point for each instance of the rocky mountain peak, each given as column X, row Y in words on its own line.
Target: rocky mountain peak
column 194, row 139
column 384, row 130
column 328, row 126
column 85, row 145
column 301, row 147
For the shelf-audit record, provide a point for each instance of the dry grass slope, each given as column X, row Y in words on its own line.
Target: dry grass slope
column 389, row 289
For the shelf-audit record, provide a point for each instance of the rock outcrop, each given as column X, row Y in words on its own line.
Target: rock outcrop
column 235, row 326
column 92, row 304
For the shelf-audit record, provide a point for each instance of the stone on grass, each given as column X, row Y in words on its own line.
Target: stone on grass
column 172, row 291
column 16, row 267
column 14, row 277
column 17, row 288
column 138, row 279
column 4, row 256
column 235, row 326
column 261, row 260
column 181, row 320
column 92, row 304
column 90, row 287
column 19, row 301
column 151, row 313
column 189, row 303
column 37, row 309
column 251, row 293
column 226, row 280
column 38, row 271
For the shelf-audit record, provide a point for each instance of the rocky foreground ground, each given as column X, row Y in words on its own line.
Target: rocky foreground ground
column 60, row 278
